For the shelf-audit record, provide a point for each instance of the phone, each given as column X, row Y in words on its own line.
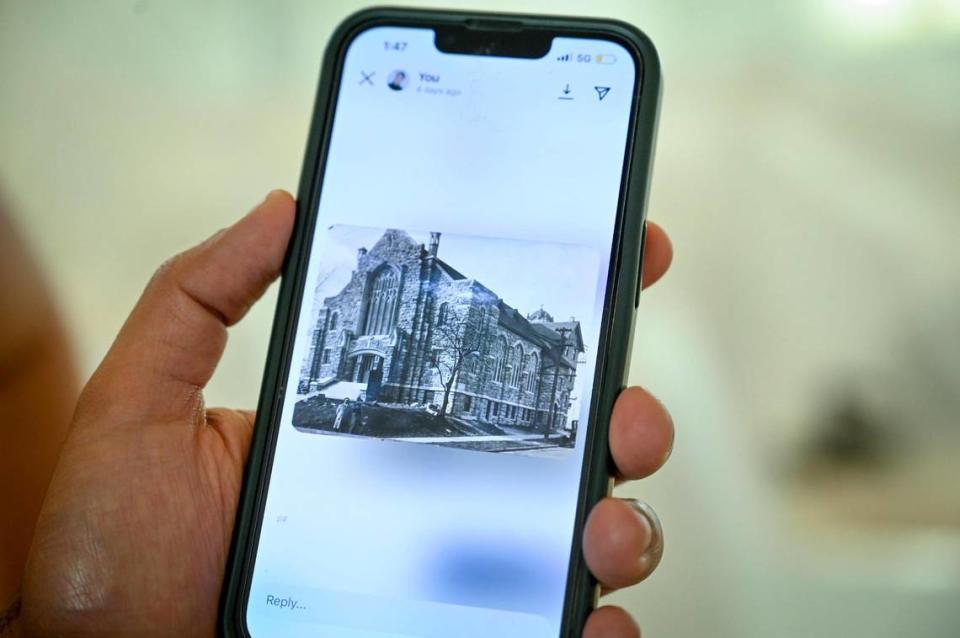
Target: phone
column 453, row 327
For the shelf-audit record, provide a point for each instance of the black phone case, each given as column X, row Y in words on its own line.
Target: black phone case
column 616, row 334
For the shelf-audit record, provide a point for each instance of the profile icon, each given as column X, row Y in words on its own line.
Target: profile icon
column 397, row 80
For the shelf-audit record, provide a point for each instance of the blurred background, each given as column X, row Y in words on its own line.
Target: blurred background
column 806, row 340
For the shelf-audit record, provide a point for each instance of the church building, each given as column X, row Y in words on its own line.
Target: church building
column 410, row 329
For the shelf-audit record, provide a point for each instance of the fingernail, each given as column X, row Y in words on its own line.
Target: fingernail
column 673, row 432
column 654, row 549
column 666, row 456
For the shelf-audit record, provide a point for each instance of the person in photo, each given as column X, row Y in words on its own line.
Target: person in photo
column 343, row 411
column 356, row 416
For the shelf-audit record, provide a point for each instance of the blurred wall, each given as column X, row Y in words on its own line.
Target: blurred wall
column 807, row 169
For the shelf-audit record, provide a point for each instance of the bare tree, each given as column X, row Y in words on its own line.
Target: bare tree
column 455, row 338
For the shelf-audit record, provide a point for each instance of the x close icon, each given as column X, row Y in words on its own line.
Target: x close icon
column 367, row 77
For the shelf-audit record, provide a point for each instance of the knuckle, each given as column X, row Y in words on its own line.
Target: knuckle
column 169, row 269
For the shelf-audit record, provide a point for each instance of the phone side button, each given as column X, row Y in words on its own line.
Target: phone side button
column 643, row 245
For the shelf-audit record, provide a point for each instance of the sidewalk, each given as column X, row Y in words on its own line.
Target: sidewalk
column 465, row 439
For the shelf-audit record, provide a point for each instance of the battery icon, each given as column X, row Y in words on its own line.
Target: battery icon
column 605, row 58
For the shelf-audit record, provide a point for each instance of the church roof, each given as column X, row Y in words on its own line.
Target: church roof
column 393, row 236
column 540, row 315
column 450, row 270
column 539, row 333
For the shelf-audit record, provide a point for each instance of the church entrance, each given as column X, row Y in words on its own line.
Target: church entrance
column 368, row 369
column 364, row 365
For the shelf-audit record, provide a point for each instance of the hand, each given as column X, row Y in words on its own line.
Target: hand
column 136, row 526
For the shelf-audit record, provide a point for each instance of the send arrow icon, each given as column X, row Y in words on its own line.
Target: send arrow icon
column 601, row 91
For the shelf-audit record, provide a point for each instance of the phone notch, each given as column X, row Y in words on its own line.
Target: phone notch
column 498, row 38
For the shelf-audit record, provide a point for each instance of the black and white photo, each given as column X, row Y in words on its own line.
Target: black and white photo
column 404, row 345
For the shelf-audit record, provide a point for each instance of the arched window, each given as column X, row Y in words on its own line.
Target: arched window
column 501, row 355
column 481, row 328
column 333, row 321
column 442, row 313
column 533, row 368
column 516, row 357
column 381, row 302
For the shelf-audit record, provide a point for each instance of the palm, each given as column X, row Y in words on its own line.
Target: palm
column 137, row 525
column 138, row 518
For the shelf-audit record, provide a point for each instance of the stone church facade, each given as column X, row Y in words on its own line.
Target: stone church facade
column 409, row 328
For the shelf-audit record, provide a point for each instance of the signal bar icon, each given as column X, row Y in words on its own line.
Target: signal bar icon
column 564, row 58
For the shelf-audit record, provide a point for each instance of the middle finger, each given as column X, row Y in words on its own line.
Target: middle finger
column 641, row 434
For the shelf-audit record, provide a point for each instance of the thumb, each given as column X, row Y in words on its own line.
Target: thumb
column 170, row 345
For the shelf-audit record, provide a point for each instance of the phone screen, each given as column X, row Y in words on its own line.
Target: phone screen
column 426, row 471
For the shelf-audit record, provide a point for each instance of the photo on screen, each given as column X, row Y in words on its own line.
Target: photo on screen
column 406, row 344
